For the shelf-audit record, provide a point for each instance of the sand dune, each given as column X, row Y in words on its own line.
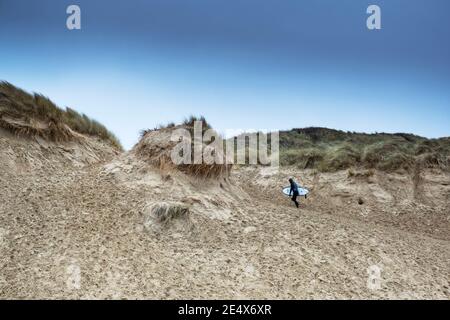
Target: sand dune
column 79, row 220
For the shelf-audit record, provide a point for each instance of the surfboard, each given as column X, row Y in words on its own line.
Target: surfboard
column 301, row 191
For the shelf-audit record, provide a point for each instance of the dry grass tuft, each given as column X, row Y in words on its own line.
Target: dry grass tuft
column 165, row 212
column 155, row 147
column 163, row 215
column 360, row 174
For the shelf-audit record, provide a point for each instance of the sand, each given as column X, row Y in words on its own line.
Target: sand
column 75, row 223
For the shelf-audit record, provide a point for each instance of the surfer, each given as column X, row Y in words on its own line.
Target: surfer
column 293, row 191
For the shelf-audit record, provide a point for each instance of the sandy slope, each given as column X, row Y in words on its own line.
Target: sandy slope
column 74, row 223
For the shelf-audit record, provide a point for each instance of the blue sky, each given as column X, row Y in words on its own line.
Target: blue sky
column 248, row 64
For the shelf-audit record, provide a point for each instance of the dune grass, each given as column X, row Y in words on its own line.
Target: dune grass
column 28, row 114
column 331, row 150
column 323, row 149
column 155, row 147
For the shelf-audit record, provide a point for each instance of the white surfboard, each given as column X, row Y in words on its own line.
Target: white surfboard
column 301, row 191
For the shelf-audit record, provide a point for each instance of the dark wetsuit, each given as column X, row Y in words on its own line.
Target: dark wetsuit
column 294, row 192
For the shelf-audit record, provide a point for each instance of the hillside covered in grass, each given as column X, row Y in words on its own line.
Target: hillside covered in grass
column 331, row 150
column 28, row 114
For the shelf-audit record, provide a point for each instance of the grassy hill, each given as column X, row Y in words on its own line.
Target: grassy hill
column 330, row 150
column 28, row 114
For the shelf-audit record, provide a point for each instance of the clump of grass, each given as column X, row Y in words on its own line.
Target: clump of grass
column 190, row 121
column 156, row 146
column 158, row 127
column 163, row 215
column 360, row 174
column 165, row 212
column 28, row 114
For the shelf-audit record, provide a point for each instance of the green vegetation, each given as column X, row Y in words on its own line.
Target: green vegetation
column 331, row 150
column 28, row 114
column 155, row 147
column 321, row 149
column 188, row 123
